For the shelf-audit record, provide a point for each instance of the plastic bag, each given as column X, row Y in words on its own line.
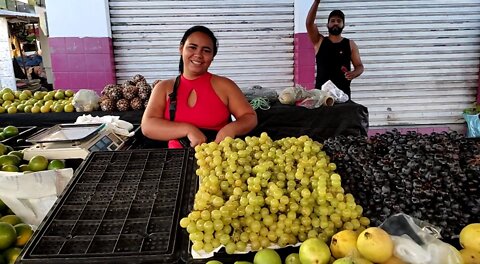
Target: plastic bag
column 337, row 94
column 112, row 123
column 416, row 242
column 32, row 195
column 316, row 98
column 307, row 98
column 258, row 91
column 291, row 95
column 473, row 125
column 86, row 101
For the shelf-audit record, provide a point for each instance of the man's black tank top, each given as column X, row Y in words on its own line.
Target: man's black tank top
column 331, row 57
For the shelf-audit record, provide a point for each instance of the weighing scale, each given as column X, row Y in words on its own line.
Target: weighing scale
column 73, row 141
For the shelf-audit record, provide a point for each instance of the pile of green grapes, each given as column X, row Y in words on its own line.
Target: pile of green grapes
column 255, row 193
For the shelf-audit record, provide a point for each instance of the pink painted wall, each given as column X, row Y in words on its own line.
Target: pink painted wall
column 82, row 63
column 304, row 61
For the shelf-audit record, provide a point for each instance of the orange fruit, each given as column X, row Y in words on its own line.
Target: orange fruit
column 11, row 219
column 35, row 109
column 38, row 163
column 45, row 109
column 8, row 97
column 8, row 235
column 68, row 108
column 24, row 233
column 69, row 93
column 12, row 110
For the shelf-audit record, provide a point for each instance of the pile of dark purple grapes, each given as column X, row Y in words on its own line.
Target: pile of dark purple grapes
column 434, row 177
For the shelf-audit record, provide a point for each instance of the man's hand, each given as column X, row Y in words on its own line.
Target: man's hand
column 350, row 75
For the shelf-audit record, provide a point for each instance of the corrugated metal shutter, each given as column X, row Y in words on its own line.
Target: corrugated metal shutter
column 255, row 38
column 421, row 57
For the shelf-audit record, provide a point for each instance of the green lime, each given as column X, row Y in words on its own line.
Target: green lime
column 3, row 149
column 10, row 160
column 11, row 219
column 10, row 131
column 10, row 168
column 16, row 153
column 38, row 163
column 24, row 167
column 56, row 165
column 9, row 149
column 12, row 254
column 8, row 235
column 24, row 233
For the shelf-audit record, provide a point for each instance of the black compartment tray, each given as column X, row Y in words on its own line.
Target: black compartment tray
column 120, row 207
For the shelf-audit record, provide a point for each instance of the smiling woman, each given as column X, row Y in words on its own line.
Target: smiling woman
column 197, row 101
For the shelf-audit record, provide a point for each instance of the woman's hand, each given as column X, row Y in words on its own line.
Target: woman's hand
column 226, row 131
column 196, row 137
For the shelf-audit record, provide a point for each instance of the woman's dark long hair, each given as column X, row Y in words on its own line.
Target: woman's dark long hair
column 192, row 30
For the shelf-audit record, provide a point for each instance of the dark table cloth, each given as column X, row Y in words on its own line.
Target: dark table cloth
column 279, row 121
column 320, row 123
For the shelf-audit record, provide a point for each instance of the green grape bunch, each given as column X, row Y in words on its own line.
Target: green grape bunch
column 256, row 192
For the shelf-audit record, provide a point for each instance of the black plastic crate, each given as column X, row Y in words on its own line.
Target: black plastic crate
column 118, row 208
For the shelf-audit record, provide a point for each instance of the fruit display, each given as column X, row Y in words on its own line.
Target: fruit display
column 434, row 177
column 12, row 161
column 14, row 235
column 133, row 94
column 258, row 192
column 372, row 245
column 25, row 101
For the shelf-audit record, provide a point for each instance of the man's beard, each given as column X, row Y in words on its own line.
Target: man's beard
column 335, row 31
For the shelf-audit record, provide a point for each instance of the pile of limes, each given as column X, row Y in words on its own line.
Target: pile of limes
column 12, row 161
column 39, row 102
column 14, row 234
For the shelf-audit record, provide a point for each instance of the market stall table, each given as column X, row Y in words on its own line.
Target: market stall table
column 278, row 121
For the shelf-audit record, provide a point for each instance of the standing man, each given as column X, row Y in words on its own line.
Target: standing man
column 333, row 53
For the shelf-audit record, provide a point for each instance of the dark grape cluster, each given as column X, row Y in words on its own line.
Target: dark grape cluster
column 433, row 177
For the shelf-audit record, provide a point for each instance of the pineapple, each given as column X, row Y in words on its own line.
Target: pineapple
column 108, row 105
column 107, row 88
column 138, row 78
column 144, row 91
column 123, row 105
column 127, row 83
column 136, row 103
column 130, row 92
column 114, row 93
